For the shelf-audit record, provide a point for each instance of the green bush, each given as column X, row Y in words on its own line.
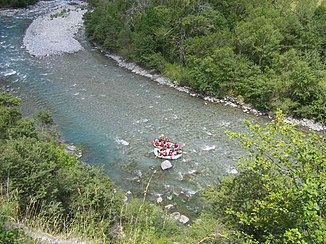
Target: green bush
column 271, row 53
column 285, row 170
column 16, row 3
column 53, row 188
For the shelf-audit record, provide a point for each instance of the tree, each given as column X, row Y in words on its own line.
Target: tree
column 9, row 113
column 225, row 47
column 16, row 3
column 279, row 194
column 258, row 39
column 219, row 69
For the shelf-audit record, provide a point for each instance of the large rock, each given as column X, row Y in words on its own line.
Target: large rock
column 184, row 219
column 159, row 199
column 179, row 217
column 233, row 171
column 166, row 165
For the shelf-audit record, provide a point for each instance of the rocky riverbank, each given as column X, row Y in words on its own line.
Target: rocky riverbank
column 228, row 101
column 53, row 34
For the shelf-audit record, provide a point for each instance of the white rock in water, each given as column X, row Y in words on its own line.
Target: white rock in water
column 122, row 142
column 208, row 148
column 184, row 219
column 169, row 206
column 159, row 200
column 233, row 171
column 166, row 165
column 71, row 148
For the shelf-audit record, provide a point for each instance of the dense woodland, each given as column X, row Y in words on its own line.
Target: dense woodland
column 270, row 54
column 16, row 3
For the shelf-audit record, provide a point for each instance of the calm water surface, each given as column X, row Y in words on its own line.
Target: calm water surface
column 114, row 114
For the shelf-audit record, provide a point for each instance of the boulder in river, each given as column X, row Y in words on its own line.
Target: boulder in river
column 159, row 199
column 166, row 165
column 184, row 219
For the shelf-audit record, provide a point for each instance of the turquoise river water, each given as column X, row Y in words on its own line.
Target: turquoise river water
column 114, row 114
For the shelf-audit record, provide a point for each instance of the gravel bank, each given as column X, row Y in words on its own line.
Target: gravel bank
column 228, row 101
column 54, row 32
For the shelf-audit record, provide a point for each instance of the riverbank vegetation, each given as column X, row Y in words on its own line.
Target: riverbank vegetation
column 47, row 189
column 43, row 187
column 279, row 194
column 16, row 3
column 270, row 54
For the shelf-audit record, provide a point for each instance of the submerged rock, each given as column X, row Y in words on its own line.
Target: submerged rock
column 175, row 215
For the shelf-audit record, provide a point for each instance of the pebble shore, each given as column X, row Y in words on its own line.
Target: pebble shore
column 54, row 33
column 228, row 101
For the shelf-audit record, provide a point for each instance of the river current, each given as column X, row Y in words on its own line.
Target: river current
column 114, row 114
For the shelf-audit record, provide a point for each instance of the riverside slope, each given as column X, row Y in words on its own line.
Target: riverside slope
column 53, row 34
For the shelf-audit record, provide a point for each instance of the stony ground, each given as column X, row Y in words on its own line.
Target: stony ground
column 54, row 32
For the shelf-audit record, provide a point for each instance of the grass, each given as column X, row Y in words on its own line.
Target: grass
column 63, row 13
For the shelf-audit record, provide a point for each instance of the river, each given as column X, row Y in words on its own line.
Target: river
column 114, row 114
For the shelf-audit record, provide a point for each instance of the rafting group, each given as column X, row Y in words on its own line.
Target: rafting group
column 166, row 149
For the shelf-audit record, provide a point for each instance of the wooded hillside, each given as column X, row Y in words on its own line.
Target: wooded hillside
column 16, row 3
column 270, row 54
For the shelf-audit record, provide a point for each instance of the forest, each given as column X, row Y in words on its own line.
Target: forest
column 270, row 54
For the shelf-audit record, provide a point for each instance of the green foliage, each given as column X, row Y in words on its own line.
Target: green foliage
column 9, row 113
column 206, row 229
column 16, row 3
column 146, row 223
column 49, row 184
column 9, row 236
column 258, row 39
column 225, row 47
column 279, row 193
column 7, row 213
column 63, row 13
column 177, row 73
column 259, row 90
column 43, row 118
column 45, row 128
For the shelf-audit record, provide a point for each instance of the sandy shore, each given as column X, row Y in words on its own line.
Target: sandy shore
column 54, row 32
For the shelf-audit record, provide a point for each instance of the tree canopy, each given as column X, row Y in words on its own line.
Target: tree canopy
column 16, row 3
column 279, row 193
column 45, row 181
column 271, row 53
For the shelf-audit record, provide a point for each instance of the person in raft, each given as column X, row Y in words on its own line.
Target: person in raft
column 164, row 139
